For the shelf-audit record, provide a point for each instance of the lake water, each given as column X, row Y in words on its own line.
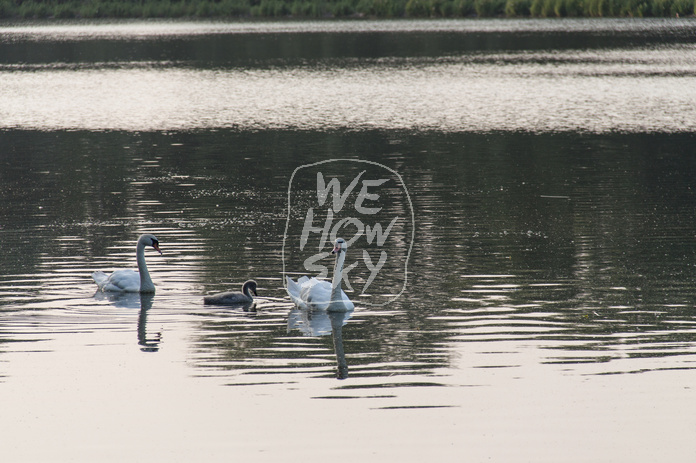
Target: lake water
column 540, row 307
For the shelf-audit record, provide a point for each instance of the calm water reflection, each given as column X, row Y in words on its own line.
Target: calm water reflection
column 553, row 189
column 582, row 244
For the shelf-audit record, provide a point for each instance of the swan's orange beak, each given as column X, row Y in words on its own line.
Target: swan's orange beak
column 336, row 249
column 156, row 246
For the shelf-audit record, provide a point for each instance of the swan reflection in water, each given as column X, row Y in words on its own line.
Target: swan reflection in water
column 320, row 323
column 142, row 301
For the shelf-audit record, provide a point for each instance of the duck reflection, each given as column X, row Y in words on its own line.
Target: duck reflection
column 320, row 323
column 143, row 301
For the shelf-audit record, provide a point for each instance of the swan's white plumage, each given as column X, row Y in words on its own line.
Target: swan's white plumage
column 130, row 281
column 312, row 293
column 126, row 281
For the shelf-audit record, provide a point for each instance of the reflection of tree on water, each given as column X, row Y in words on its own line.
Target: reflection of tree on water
column 320, row 323
column 134, row 301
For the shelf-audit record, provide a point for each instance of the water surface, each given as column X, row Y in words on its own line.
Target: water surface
column 549, row 310
column 530, row 75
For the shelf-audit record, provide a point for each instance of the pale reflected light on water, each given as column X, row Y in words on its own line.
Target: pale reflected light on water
column 636, row 91
column 549, row 311
column 130, row 30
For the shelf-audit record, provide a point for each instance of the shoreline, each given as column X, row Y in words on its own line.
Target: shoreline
column 245, row 10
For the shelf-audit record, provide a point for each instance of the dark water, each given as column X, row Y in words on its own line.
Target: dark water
column 550, row 297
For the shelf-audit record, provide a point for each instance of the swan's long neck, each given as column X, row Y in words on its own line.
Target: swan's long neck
column 146, row 285
column 337, row 277
column 246, row 290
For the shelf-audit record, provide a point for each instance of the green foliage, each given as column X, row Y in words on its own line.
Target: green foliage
column 464, row 8
column 382, row 8
column 573, row 8
column 514, row 8
column 603, row 8
column 418, row 8
column 87, row 10
column 489, row 8
column 635, row 8
column 556, row 8
column 682, row 8
column 6, row 9
column 341, row 8
column 306, row 9
column 33, row 9
column 234, row 8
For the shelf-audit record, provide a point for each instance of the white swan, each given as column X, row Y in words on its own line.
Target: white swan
column 233, row 297
column 311, row 293
column 130, row 281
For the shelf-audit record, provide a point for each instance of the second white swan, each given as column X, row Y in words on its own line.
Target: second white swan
column 312, row 293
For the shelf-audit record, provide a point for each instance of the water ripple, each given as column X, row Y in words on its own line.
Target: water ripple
column 596, row 91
